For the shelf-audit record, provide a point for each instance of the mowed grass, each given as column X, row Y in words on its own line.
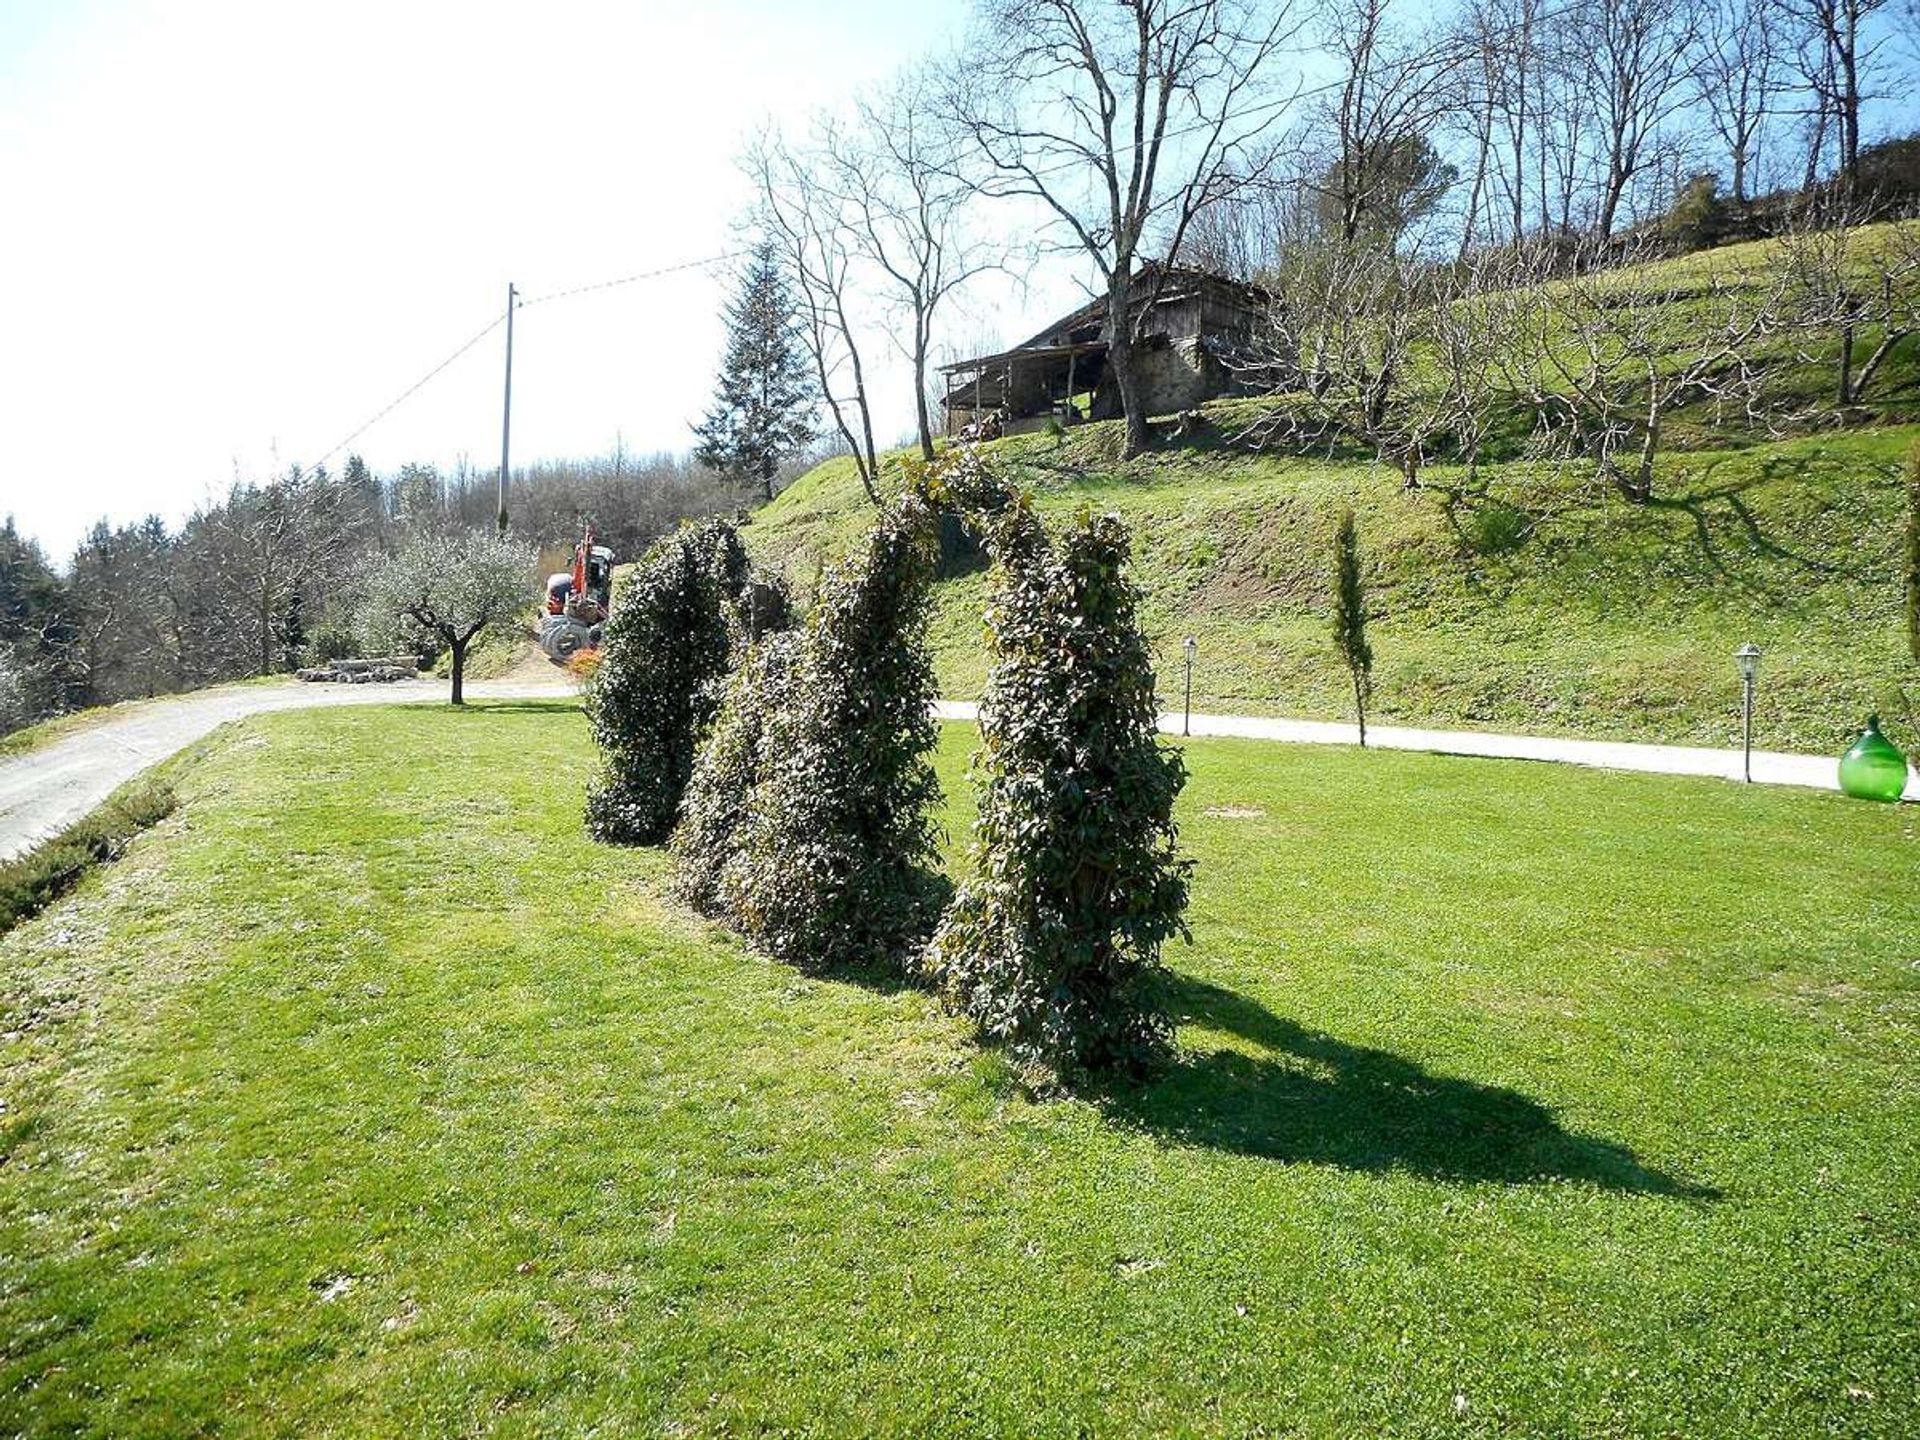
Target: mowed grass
column 365, row 1097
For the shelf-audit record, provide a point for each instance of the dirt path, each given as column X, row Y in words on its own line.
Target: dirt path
column 47, row 789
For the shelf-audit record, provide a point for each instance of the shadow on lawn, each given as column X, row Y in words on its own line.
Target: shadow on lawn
column 1317, row 1099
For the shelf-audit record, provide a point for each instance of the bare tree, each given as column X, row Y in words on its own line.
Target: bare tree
column 1738, row 79
column 1393, row 85
column 808, row 221
column 1849, row 283
column 1604, row 356
column 1639, row 56
column 1123, row 120
column 900, row 187
column 273, row 540
column 1835, row 58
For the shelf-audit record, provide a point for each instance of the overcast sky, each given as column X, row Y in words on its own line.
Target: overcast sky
column 233, row 231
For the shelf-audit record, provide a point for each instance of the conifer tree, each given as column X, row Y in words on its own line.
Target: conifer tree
column 763, row 406
column 1350, row 615
column 1913, row 550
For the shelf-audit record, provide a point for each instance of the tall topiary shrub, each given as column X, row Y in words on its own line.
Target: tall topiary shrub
column 1052, row 949
column 666, row 651
column 731, row 762
column 1350, row 616
column 834, row 864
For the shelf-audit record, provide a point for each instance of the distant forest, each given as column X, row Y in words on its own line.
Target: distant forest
column 257, row 582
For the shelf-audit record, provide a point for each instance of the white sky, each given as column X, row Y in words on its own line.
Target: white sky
column 233, row 231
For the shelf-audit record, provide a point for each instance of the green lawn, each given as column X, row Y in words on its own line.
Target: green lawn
column 365, row 1097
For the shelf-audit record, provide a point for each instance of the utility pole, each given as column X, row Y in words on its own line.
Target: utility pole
column 506, row 416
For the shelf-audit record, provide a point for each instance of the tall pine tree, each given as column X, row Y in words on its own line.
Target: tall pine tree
column 763, row 409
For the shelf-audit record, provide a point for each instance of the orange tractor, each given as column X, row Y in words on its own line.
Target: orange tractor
column 577, row 602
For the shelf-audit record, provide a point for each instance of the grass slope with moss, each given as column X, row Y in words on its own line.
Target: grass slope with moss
column 363, row 1097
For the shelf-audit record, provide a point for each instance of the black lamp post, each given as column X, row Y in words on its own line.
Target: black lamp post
column 1747, row 657
column 1192, row 647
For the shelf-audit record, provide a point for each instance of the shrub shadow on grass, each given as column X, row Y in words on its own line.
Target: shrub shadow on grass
column 526, row 705
column 1315, row 1099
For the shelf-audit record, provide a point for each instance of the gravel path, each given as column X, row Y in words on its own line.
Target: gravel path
column 45, row 790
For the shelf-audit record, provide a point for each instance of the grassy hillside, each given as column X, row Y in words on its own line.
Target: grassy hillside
column 1543, row 602
column 364, row 1098
column 1548, row 605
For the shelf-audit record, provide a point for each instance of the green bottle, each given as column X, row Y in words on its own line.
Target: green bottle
column 1873, row 769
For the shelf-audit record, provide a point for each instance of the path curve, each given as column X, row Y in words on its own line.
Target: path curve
column 45, row 790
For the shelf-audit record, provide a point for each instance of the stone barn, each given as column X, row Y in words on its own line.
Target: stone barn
column 1200, row 335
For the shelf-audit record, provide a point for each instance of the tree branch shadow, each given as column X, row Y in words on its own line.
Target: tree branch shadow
column 1318, row 1100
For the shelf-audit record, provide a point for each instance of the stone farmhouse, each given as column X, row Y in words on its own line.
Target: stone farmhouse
column 1200, row 334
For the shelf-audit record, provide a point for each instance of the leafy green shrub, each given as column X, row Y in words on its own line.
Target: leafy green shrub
column 1053, row 949
column 834, row 868
column 1496, row 528
column 730, row 763
column 667, row 647
column 31, row 882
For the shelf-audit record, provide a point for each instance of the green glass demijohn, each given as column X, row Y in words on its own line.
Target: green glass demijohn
column 1873, row 769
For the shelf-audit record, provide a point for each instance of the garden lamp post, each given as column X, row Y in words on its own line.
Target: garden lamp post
column 1192, row 647
column 1747, row 657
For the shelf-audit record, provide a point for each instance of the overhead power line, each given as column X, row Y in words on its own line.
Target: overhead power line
column 404, row 396
column 631, row 279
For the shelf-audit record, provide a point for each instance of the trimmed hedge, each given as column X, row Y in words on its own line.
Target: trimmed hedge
column 730, row 764
column 31, row 882
column 833, row 864
column 666, row 652
column 1052, row 948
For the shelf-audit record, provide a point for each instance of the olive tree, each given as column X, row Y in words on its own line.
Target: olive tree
column 447, row 587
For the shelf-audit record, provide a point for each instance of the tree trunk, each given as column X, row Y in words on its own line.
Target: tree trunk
column 1844, row 390
column 920, row 394
column 1120, row 342
column 1360, row 706
column 459, row 644
column 266, row 630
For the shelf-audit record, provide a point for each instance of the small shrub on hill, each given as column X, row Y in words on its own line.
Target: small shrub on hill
column 666, row 650
column 835, row 862
column 1053, row 948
